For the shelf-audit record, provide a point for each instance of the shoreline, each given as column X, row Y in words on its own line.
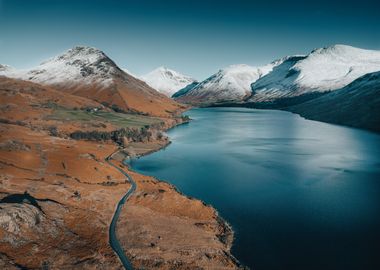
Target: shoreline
column 294, row 109
column 227, row 237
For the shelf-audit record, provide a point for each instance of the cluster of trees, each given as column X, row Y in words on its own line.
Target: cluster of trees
column 117, row 109
column 131, row 134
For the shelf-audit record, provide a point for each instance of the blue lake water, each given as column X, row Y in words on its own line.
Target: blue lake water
column 299, row 194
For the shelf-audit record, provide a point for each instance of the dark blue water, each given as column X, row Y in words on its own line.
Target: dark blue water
column 299, row 194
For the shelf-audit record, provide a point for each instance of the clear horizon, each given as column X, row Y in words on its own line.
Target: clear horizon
column 195, row 38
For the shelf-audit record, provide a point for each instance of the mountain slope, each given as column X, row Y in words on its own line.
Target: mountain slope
column 356, row 105
column 228, row 84
column 184, row 90
column 322, row 70
column 58, row 194
column 130, row 73
column 167, row 81
column 88, row 72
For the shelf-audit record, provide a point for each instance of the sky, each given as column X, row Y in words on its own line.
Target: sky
column 194, row 37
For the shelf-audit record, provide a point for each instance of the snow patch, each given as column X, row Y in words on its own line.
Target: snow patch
column 167, row 81
column 322, row 70
column 232, row 83
column 79, row 65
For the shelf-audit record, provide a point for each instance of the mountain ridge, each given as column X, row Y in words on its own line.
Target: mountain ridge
column 324, row 69
column 231, row 83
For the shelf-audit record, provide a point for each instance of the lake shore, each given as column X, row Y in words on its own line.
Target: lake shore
column 203, row 238
column 264, row 170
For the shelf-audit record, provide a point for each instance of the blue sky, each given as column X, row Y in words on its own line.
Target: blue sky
column 194, row 37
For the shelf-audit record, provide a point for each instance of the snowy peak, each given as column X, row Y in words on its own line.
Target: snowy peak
column 235, row 77
column 232, row 83
column 340, row 49
column 80, row 65
column 240, row 70
column 90, row 73
column 168, row 74
column 81, row 53
column 336, row 66
column 167, row 81
column 324, row 69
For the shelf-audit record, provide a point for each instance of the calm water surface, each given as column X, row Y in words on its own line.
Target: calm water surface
column 299, row 194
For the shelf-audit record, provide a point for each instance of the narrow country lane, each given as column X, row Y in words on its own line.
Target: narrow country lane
column 114, row 242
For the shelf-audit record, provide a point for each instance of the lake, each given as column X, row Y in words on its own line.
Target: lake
column 299, row 194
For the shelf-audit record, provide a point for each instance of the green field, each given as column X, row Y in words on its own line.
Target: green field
column 118, row 119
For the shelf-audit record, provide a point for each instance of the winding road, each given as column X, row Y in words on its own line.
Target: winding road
column 114, row 243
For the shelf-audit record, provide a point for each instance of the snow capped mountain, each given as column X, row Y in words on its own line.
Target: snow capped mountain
column 357, row 104
column 229, row 84
column 90, row 73
column 166, row 81
column 83, row 65
column 322, row 70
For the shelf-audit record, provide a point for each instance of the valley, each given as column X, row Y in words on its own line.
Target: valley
column 74, row 128
column 58, row 193
column 189, row 135
column 292, row 82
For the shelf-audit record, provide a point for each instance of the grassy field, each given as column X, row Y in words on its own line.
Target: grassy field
column 117, row 119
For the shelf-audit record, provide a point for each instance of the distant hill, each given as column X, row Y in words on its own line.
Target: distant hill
column 167, row 81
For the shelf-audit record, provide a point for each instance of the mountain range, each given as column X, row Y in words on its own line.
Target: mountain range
column 323, row 70
column 64, row 122
column 285, row 83
column 229, row 84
